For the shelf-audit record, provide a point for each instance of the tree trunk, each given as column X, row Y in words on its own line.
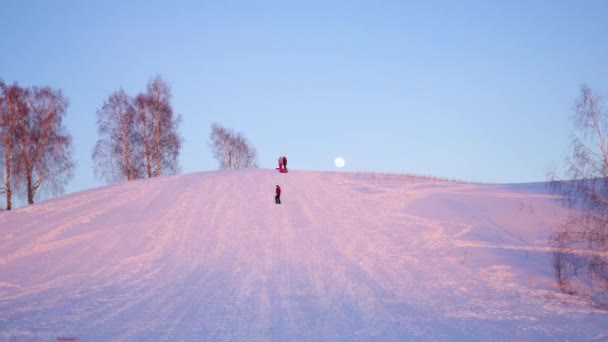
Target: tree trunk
column 9, row 192
column 127, row 157
column 148, row 162
column 7, row 164
column 157, row 148
column 30, row 190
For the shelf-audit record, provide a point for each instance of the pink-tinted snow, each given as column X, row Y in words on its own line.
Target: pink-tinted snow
column 210, row 256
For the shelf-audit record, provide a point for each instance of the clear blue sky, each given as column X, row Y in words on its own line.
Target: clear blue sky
column 470, row 90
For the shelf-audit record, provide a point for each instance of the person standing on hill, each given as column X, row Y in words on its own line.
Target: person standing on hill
column 285, row 162
column 277, row 198
column 280, row 163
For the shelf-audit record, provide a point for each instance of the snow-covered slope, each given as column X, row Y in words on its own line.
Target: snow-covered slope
column 210, row 256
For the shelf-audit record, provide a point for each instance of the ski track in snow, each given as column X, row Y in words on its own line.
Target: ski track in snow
column 210, row 256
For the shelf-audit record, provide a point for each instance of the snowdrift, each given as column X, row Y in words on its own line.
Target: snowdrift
column 210, row 256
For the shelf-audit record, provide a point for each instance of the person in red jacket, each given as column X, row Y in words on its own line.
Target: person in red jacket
column 280, row 163
column 277, row 198
column 285, row 162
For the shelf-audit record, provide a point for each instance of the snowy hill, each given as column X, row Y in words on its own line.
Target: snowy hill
column 210, row 256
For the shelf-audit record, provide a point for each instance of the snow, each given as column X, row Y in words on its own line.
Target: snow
column 346, row 256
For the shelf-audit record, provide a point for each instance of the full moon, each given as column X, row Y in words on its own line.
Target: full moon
column 339, row 162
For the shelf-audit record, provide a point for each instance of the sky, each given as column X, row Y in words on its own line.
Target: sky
column 470, row 90
column 344, row 257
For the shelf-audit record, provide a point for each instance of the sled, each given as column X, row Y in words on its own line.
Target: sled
column 281, row 170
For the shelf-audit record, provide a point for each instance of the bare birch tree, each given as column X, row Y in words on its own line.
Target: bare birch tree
column 144, row 125
column 138, row 137
column 44, row 159
column 245, row 155
column 231, row 149
column 581, row 246
column 117, row 156
column 13, row 107
column 161, row 141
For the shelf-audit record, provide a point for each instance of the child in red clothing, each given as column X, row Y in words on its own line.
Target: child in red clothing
column 277, row 198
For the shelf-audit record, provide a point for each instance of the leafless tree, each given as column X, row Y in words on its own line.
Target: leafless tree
column 138, row 137
column 144, row 125
column 231, row 149
column 117, row 156
column 220, row 145
column 13, row 106
column 580, row 257
column 44, row 159
column 245, row 155
column 158, row 127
